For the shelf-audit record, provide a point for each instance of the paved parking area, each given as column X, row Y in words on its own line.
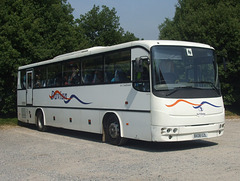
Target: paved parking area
column 26, row 154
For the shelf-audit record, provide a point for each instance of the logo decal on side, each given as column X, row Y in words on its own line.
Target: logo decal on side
column 59, row 95
column 195, row 106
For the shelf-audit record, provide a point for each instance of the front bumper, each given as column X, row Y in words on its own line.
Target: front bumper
column 186, row 133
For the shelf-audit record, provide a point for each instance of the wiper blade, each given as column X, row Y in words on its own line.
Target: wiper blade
column 210, row 83
column 179, row 88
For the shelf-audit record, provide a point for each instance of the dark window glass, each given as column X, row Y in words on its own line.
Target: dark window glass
column 71, row 73
column 141, row 78
column 92, row 70
column 29, row 80
column 117, row 67
column 40, row 77
column 23, row 79
column 54, row 75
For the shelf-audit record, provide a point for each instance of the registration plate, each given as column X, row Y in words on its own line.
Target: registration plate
column 200, row 135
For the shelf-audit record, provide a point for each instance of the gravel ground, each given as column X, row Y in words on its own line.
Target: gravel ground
column 26, row 154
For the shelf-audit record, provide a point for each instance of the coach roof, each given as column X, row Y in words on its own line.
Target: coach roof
column 101, row 49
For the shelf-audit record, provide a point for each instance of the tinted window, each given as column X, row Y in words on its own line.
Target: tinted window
column 117, row 67
column 54, row 75
column 40, row 77
column 71, row 73
column 23, row 79
column 92, row 70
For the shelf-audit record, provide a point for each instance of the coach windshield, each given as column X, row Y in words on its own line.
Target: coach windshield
column 184, row 72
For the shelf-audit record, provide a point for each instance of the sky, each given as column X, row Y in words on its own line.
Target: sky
column 141, row 17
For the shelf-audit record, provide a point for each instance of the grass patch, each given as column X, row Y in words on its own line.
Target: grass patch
column 8, row 121
column 232, row 112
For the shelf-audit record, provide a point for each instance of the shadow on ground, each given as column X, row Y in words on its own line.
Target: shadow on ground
column 132, row 144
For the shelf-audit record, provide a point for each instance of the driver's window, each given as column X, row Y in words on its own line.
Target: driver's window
column 141, row 78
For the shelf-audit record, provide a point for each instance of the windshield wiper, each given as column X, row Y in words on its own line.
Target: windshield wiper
column 179, row 88
column 210, row 83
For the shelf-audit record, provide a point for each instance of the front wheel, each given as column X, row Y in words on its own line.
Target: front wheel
column 112, row 130
column 40, row 122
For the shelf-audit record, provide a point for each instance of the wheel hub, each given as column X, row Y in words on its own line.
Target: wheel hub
column 114, row 130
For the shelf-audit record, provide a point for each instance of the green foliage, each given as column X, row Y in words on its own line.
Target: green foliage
column 102, row 27
column 30, row 31
column 33, row 31
column 232, row 112
column 8, row 121
column 214, row 22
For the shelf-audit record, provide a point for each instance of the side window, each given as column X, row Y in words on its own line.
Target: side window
column 141, row 77
column 71, row 73
column 117, row 67
column 29, row 80
column 92, row 70
column 23, row 79
column 40, row 77
column 54, row 75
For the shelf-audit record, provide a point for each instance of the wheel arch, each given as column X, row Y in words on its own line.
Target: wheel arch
column 44, row 116
column 104, row 122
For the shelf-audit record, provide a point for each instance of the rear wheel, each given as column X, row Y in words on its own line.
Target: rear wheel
column 112, row 130
column 40, row 122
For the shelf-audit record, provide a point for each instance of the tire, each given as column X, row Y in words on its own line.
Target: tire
column 40, row 122
column 112, row 130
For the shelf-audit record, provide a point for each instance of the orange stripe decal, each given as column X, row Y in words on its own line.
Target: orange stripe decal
column 182, row 100
column 57, row 92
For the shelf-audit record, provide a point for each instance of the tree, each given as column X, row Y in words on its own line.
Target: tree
column 214, row 22
column 31, row 31
column 102, row 27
